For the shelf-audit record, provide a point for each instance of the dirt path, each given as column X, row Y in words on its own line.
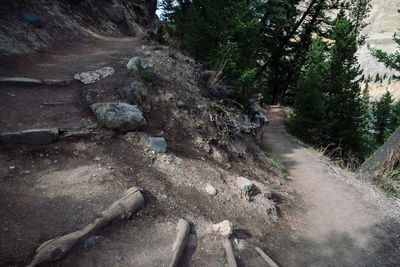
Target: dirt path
column 40, row 106
column 343, row 222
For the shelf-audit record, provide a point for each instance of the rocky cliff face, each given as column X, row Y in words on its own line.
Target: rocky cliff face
column 27, row 26
column 384, row 21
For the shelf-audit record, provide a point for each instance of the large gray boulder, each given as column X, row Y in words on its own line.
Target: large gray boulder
column 119, row 116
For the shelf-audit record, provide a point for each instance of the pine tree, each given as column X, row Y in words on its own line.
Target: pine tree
column 383, row 118
column 309, row 119
column 346, row 109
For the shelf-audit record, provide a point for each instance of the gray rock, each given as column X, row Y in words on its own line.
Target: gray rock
column 134, row 64
column 19, row 80
column 135, row 94
column 244, row 184
column 32, row 137
column 5, row 229
column 118, row 257
column 119, row 116
column 89, row 96
column 94, row 75
column 180, row 104
column 211, row 190
column 147, row 53
column 158, row 144
column 92, row 241
column 144, row 47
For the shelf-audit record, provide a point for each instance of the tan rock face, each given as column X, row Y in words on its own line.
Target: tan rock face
column 384, row 22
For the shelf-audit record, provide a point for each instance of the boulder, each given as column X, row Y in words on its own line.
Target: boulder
column 134, row 64
column 94, row 75
column 158, row 144
column 119, row 116
column 31, row 137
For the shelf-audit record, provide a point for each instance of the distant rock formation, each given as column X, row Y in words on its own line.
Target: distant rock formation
column 384, row 21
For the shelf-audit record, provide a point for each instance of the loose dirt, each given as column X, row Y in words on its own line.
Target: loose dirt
column 343, row 222
column 325, row 219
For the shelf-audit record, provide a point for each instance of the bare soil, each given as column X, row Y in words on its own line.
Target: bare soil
column 342, row 222
column 325, row 219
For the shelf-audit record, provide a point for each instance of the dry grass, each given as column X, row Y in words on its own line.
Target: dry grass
column 389, row 175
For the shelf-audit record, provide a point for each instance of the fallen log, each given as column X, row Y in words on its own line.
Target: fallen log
column 269, row 261
column 180, row 242
column 229, row 252
column 121, row 209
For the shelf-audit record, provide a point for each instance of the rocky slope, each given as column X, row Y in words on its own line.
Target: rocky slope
column 384, row 21
column 27, row 26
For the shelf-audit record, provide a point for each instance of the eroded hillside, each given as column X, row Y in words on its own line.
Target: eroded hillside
column 384, row 21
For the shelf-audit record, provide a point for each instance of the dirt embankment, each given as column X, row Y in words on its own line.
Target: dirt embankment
column 58, row 188
column 28, row 26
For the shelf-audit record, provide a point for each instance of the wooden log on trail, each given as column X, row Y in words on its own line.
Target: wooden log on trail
column 229, row 252
column 180, row 242
column 269, row 261
column 121, row 209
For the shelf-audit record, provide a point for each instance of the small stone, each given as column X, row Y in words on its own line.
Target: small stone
column 211, row 190
column 97, row 158
column 55, row 161
column 157, row 143
column 89, row 96
column 118, row 257
column 92, row 241
column 5, row 229
column 223, row 228
column 94, row 75
column 180, row 104
column 11, row 94
column 244, row 184
column 159, row 134
column 278, row 182
column 27, row 172
column 143, row 47
column 134, row 64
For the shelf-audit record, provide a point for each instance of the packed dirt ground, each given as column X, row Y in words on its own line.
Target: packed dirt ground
column 314, row 217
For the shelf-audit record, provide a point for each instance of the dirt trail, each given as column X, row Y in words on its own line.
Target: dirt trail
column 60, row 106
column 344, row 222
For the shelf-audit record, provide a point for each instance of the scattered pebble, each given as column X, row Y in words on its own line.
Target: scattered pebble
column 211, row 190
column 278, row 182
column 244, row 184
column 97, row 158
column 5, row 229
column 118, row 257
column 55, row 161
column 92, row 241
